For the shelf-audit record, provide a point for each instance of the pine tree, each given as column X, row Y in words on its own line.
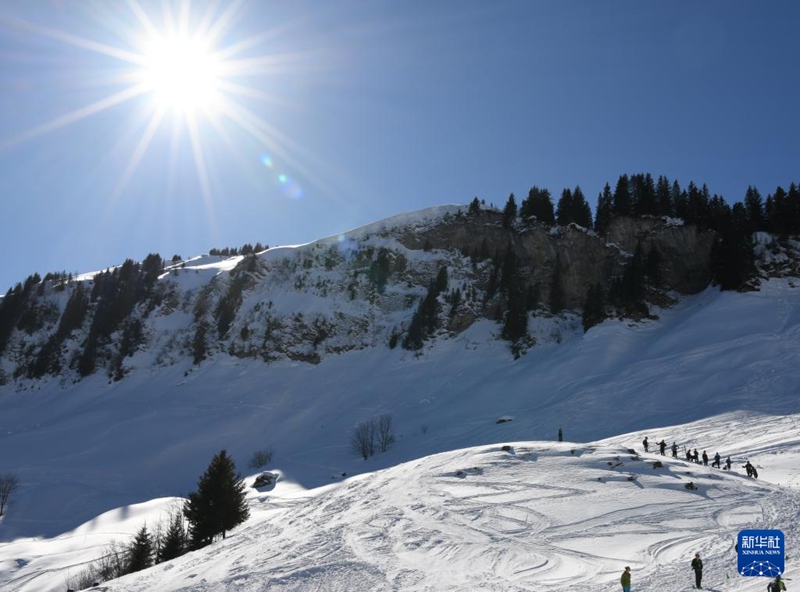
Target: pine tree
column 594, row 307
column 622, row 197
column 515, row 320
column 581, row 211
column 643, row 194
column 174, row 543
column 510, row 212
column 664, row 206
column 733, row 255
column 564, row 209
column 538, row 207
column 605, row 210
column 140, row 553
column 755, row 209
column 219, row 503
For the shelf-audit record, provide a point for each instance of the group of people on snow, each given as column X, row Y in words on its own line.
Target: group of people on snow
column 693, row 456
column 777, row 585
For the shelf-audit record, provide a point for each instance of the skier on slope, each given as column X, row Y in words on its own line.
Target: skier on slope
column 662, row 446
column 645, row 444
column 717, row 459
column 674, row 450
column 697, row 566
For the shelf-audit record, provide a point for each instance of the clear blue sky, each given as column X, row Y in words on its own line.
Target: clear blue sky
column 317, row 117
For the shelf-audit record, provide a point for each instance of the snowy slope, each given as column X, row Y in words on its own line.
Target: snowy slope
column 720, row 367
column 540, row 516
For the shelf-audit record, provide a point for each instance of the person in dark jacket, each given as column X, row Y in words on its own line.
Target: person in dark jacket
column 717, row 459
column 662, row 446
column 697, row 566
column 645, row 444
column 625, row 580
column 777, row 585
column 705, row 459
column 674, row 450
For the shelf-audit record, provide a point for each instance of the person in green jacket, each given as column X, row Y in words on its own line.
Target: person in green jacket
column 625, row 580
column 777, row 585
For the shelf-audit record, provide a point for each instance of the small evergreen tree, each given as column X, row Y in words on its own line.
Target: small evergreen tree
column 564, row 208
column 510, row 212
column 594, row 307
column 581, row 211
column 755, row 209
column 140, row 552
column 174, row 543
column 604, row 212
column 622, row 197
column 219, row 503
column 664, row 206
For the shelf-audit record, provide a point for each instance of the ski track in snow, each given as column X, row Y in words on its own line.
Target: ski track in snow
column 543, row 516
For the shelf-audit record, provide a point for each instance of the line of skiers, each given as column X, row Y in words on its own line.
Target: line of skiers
column 693, row 456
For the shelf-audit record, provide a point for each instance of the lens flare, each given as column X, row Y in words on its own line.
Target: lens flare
column 289, row 186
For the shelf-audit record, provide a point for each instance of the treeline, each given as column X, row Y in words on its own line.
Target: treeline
column 113, row 297
column 246, row 249
column 642, row 195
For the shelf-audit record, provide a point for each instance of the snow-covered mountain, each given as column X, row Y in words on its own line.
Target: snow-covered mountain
column 399, row 282
column 445, row 508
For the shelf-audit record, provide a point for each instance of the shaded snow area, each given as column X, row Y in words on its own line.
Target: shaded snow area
column 446, row 508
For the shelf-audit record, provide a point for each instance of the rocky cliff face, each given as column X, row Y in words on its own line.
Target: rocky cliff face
column 584, row 257
column 362, row 289
column 686, row 264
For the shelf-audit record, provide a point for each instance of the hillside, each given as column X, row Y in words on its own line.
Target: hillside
column 396, row 283
column 94, row 446
column 290, row 348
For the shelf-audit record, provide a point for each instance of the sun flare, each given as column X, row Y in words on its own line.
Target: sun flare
column 182, row 74
column 189, row 75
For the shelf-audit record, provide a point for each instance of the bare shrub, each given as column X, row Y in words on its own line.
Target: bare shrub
column 385, row 432
column 9, row 483
column 371, row 432
column 260, row 459
column 362, row 441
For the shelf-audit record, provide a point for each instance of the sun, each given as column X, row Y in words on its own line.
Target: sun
column 186, row 68
column 184, row 75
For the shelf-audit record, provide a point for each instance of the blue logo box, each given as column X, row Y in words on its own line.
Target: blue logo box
column 761, row 553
